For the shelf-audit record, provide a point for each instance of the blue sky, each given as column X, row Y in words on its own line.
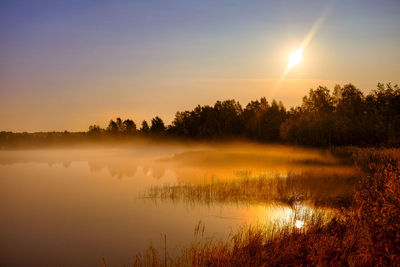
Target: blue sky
column 68, row 64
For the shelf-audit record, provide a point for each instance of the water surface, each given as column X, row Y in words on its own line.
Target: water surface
column 71, row 207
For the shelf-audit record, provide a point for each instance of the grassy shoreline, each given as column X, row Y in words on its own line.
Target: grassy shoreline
column 367, row 233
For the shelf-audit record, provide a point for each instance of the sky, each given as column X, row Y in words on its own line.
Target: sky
column 65, row 65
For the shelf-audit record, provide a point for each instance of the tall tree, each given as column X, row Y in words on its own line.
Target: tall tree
column 113, row 127
column 145, row 127
column 157, row 125
column 129, row 127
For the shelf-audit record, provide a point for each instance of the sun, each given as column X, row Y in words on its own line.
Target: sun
column 295, row 58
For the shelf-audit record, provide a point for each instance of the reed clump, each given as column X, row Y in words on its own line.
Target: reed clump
column 320, row 189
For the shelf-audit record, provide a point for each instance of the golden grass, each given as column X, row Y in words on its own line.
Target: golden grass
column 368, row 233
column 315, row 188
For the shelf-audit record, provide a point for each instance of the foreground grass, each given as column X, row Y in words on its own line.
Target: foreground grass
column 367, row 234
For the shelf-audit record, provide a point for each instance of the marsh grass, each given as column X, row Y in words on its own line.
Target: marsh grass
column 365, row 234
column 250, row 245
column 316, row 188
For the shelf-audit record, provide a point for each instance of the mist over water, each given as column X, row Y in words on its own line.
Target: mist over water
column 75, row 206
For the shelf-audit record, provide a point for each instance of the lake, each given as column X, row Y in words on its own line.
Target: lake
column 72, row 207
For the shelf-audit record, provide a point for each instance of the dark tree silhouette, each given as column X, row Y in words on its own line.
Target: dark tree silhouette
column 113, row 127
column 145, row 127
column 129, row 127
column 126, row 127
column 157, row 125
column 94, row 130
column 120, row 125
column 344, row 116
column 262, row 121
column 341, row 117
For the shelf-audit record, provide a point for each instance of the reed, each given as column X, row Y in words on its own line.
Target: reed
column 320, row 189
column 365, row 234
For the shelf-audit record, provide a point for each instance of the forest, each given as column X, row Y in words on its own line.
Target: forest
column 343, row 116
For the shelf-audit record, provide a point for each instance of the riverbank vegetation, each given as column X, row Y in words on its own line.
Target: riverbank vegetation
column 364, row 233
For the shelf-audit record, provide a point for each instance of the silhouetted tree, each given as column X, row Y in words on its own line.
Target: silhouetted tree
column 157, row 125
column 254, row 118
column 228, row 118
column 350, row 118
column 262, row 121
column 343, row 117
column 94, row 130
column 145, row 127
column 120, row 125
column 113, row 127
column 129, row 127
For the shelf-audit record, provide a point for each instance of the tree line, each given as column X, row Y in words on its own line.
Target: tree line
column 343, row 116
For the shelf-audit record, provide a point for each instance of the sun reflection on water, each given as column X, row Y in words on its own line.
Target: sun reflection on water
column 280, row 216
column 299, row 224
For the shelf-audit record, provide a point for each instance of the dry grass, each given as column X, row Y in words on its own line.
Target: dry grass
column 367, row 235
column 320, row 189
column 373, row 159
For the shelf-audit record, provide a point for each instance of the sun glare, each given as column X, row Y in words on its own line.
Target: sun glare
column 295, row 58
column 299, row 224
